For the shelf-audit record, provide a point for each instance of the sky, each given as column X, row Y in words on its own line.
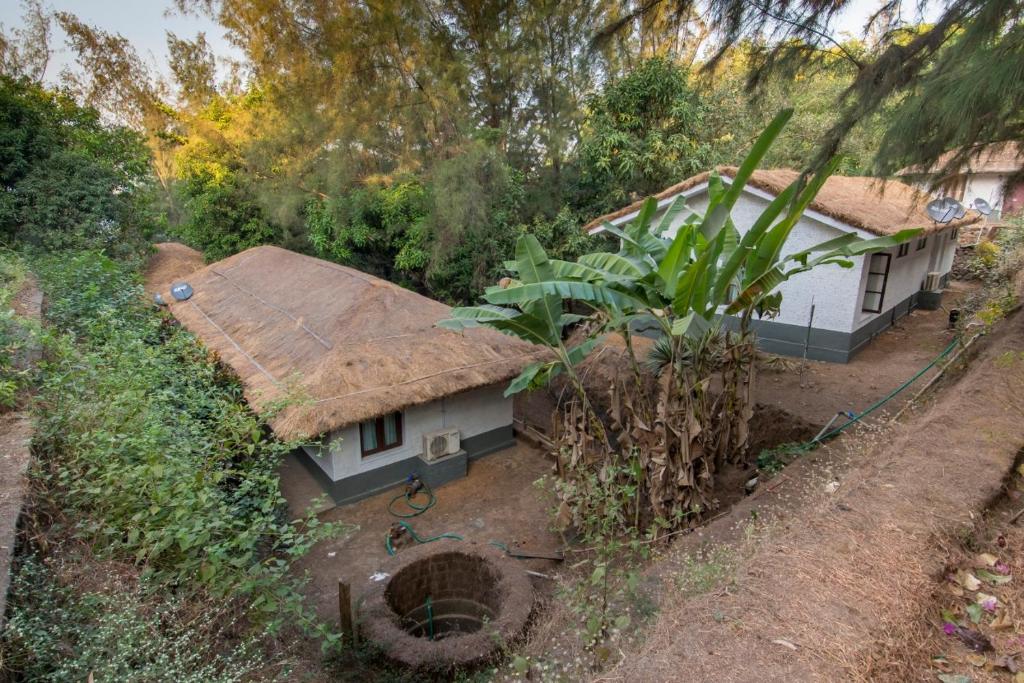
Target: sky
column 144, row 23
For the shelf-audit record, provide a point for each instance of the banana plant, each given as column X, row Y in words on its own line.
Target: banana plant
column 535, row 314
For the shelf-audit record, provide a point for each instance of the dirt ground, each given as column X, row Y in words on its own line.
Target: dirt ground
column 887, row 361
column 842, row 572
column 496, row 501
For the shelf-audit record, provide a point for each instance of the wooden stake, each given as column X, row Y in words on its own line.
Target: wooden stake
column 345, row 611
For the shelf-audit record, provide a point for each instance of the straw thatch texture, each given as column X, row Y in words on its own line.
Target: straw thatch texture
column 171, row 262
column 878, row 207
column 346, row 346
column 998, row 157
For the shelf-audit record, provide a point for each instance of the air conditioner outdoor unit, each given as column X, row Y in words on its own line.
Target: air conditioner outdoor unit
column 932, row 282
column 439, row 444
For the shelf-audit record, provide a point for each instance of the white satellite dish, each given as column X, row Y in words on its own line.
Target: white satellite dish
column 938, row 211
column 181, row 291
column 983, row 207
column 955, row 209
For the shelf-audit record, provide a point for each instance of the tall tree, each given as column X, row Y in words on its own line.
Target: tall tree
column 957, row 82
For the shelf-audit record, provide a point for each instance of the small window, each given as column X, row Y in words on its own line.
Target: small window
column 381, row 434
column 921, row 243
column 903, row 250
column 878, row 278
column 954, row 234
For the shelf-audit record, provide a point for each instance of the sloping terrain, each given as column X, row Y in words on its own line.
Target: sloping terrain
column 842, row 588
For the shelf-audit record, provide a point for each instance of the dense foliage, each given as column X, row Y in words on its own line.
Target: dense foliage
column 68, row 180
column 417, row 143
column 147, row 446
column 642, row 133
column 119, row 635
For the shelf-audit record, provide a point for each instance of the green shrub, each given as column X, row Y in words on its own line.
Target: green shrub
column 150, row 450
column 69, row 180
column 56, row 633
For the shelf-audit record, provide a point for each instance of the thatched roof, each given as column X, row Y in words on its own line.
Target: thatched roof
column 998, row 157
column 171, row 262
column 881, row 208
column 345, row 345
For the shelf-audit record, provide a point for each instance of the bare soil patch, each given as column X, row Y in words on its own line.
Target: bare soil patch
column 822, row 389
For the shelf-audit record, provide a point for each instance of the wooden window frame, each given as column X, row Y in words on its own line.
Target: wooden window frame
column 922, row 242
column 954, row 233
column 903, row 250
column 885, row 283
column 378, row 424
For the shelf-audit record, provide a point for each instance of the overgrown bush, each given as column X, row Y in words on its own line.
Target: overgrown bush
column 146, row 448
column 57, row 633
column 996, row 264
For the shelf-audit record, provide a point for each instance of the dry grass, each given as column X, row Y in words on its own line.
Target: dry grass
column 171, row 262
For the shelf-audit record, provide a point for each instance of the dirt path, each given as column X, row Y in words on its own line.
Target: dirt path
column 15, row 438
column 886, row 362
column 841, row 589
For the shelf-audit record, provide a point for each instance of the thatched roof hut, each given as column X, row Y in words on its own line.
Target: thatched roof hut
column 334, row 345
column 879, row 207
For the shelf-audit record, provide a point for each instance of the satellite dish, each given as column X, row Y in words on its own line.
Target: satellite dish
column 954, row 209
column 158, row 299
column 938, row 211
column 983, row 207
column 181, row 291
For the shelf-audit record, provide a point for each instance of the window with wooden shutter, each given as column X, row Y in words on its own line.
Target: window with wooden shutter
column 878, row 278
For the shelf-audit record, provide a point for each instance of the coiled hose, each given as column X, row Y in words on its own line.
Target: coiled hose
column 411, row 494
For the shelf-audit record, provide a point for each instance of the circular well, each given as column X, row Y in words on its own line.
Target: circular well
column 447, row 604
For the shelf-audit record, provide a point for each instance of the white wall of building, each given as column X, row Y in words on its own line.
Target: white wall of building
column 907, row 273
column 988, row 186
column 827, row 288
column 472, row 412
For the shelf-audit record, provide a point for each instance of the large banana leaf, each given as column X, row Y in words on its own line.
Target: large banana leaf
column 508, row 320
column 564, row 289
column 673, row 211
column 533, row 267
column 770, row 246
column 567, row 270
column 531, row 260
column 616, row 264
column 539, row 374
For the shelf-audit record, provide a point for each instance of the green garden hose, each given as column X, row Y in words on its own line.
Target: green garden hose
column 891, row 395
column 409, row 496
column 416, row 537
column 813, row 443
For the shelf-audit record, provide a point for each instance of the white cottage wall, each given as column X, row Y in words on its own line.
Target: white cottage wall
column 828, row 288
column 473, row 412
column 987, row 186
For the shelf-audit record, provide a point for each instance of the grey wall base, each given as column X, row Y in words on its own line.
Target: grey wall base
column 366, row 484
column 828, row 345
